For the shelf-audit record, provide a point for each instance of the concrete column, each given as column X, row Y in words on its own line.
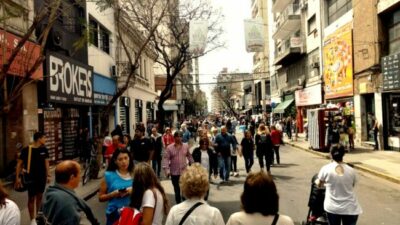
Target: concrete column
column 358, row 119
column 379, row 117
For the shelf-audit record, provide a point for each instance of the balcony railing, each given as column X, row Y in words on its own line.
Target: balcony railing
column 288, row 48
column 279, row 5
column 287, row 22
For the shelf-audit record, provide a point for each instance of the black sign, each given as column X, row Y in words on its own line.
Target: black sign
column 391, row 72
column 102, row 99
column 68, row 81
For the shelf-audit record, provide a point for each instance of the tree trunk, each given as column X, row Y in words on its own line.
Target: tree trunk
column 161, row 114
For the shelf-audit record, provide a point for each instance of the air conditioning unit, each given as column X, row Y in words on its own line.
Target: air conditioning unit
column 60, row 39
column 113, row 71
column 314, row 65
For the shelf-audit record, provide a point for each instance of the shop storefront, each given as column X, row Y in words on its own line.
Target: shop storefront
column 138, row 111
column 338, row 75
column 65, row 104
column 124, row 112
column 104, row 89
column 150, row 115
column 307, row 98
column 391, row 89
column 19, row 125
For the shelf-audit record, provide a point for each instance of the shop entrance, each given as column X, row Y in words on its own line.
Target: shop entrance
column 369, row 110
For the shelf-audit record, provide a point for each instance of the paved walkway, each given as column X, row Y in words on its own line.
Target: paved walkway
column 385, row 164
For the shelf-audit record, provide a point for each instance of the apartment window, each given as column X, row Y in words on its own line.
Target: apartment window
column 145, row 69
column 99, row 36
column 93, row 32
column 337, row 8
column 105, row 40
column 312, row 25
column 394, row 33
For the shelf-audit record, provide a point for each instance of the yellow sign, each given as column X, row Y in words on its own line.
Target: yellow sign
column 338, row 63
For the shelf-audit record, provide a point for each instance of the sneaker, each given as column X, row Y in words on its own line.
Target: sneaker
column 33, row 222
column 235, row 174
column 231, row 173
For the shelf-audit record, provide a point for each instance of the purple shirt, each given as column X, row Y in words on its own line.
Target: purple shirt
column 175, row 158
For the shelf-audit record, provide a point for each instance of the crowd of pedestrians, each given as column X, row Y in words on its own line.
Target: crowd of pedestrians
column 133, row 174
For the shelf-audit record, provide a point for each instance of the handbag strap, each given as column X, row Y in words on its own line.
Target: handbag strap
column 189, row 212
column 275, row 219
column 28, row 168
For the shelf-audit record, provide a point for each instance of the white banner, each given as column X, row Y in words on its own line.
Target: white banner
column 254, row 36
column 198, row 36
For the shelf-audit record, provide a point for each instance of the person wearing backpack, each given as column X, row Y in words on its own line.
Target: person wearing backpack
column 148, row 199
column 264, row 147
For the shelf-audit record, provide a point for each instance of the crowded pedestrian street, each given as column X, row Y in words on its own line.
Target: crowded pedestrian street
column 378, row 197
column 200, row 112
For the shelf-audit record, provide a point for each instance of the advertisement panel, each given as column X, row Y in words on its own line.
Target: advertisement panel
column 253, row 29
column 309, row 96
column 338, row 63
column 25, row 59
column 68, row 81
column 198, row 36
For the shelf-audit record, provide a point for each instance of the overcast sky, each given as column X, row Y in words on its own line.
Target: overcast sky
column 234, row 56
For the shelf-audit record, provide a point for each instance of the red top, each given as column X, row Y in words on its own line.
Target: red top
column 110, row 150
column 276, row 137
column 168, row 139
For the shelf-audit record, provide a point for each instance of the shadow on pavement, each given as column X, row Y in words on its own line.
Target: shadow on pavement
column 284, row 165
column 280, row 177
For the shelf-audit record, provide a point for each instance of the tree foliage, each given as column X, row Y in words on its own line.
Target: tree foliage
column 47, row 12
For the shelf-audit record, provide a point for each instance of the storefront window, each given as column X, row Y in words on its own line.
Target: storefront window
column 394, row 114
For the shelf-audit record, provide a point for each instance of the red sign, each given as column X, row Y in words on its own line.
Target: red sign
column 25, row 59
column 309, row 96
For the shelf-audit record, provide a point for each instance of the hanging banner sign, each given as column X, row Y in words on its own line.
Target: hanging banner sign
column 198, row 36
column 253, row 30
column 68, row 81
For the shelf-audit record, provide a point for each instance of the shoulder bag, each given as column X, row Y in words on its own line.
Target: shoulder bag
column 189, row 212
column 26, row 178
column 275, row 219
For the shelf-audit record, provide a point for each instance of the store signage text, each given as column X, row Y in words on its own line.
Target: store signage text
column 69, row 81
column 25, row 59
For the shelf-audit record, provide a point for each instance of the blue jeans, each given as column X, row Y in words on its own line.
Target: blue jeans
column 224, row 163
column 335, row 219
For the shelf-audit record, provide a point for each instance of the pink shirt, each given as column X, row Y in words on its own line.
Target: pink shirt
column 176, row 158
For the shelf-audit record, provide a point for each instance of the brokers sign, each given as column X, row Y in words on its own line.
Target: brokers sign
column 68, row 81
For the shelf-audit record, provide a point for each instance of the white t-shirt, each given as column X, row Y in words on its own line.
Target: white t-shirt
column 339, row 196
column 205, row 160
column 149, row 201
column 243, row 218
column 202, row 215
column 10, row 214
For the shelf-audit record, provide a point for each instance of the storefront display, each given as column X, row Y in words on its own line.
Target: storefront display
column 124, row 114
column 70, row 131
column 307, row 98
column 53, row 130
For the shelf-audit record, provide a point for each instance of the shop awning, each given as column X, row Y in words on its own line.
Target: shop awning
column 282, row 106
column 170, row 107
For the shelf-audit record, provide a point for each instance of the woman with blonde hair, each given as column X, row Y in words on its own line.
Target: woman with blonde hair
column 264, row 147
column 194, row 210
column 148, row 195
